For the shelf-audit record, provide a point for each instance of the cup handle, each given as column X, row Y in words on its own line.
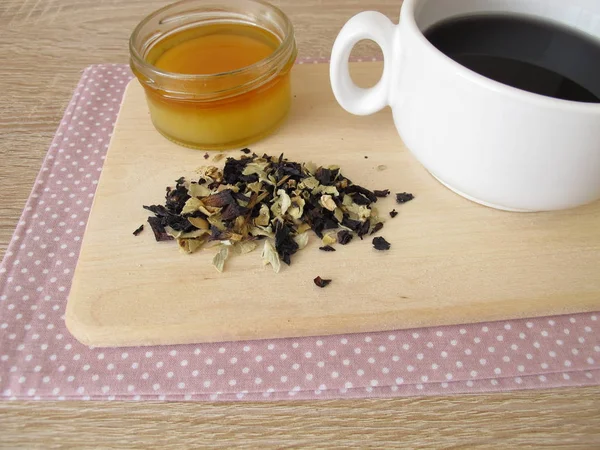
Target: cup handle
column 356, row 100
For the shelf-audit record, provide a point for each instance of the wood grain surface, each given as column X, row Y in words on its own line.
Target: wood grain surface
column 547, row 263
column 44, row 45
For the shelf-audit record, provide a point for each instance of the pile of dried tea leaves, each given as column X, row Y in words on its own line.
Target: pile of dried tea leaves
column 269, row 199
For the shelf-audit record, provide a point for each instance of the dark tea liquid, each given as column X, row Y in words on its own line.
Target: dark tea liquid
column 529, row 54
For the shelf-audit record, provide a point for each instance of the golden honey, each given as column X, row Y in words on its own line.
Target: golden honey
column 221, row 83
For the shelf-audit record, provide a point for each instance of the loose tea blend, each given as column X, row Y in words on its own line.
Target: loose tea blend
column 264, row 198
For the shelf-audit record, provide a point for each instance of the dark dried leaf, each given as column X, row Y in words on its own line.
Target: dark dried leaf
column 381, row 244
column 393, row 213
column 285, row 244
column 220, row 199
column 355, row 188
column 327, row 248
column 360, row 199
column 382, row 194
column 206, row 156
column 354, row 225
column 247, row 151
column 364, row 229
column 378, row 226
column 233, row 169
column 404, row 197
column 176, row 198
column 138, row 230
column 159, row 229
column 177, row 222
column 232, row 211
column 321, row 282
column 324, row 176
column 344, row 237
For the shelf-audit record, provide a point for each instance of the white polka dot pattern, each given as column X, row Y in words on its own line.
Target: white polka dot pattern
column 40, row 360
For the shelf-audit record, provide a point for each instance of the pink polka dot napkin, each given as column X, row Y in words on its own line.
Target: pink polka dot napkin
column 40, row 360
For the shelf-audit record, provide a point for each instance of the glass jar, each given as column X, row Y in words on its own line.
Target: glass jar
column 218, row 111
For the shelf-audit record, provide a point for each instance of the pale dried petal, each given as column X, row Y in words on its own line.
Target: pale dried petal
column 198, row 190
column 264, row 216
column 310, row 183
column 192, row 205
column 338, row 214
column 199, row 222
column 327, row 202
column 269, row 256
column 286, row 201
column 193, row 234
column 311, row 167
column 301, row 240
column 243, row 247
column 220, row 258
column 190, row 245
column 329, row 238
column 322, row 189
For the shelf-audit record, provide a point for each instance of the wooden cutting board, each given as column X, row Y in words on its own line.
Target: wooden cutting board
column 451, row 261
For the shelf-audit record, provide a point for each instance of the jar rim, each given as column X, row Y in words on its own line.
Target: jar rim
column 286, row 42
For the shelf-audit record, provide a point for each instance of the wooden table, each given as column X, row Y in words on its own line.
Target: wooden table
column 44, row 44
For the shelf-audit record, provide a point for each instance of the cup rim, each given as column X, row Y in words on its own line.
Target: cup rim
column 408, row 17
column 273, row 58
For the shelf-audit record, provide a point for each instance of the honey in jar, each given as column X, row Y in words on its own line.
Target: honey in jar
column 220, row 83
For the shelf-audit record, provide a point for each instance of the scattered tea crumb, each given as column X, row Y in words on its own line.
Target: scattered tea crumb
column 247, row 151
column 206, row 156
column 344, row 237
column 138, row 230
column 377, row 228
column 366, row 157
column 382, row 194
column 327, row 248
column 321, row 282
column 381, row 167
column 381, row 244
column 404, row 197
column 218, row 157
column 393, row 213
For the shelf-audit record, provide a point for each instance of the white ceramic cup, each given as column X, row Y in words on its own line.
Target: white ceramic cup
column 489, row 142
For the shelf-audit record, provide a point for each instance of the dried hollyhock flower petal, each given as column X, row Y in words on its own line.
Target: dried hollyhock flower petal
column 321, row 282
column 382, row 194
column 355, row 188
column 404, row 197
column 327, row 248
column 378, row 226
column 159, row 229
column 393, row 213
column 220, row 199
column 247, row 151
column 344, row 237
column 381, row 244
column 138, row 230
